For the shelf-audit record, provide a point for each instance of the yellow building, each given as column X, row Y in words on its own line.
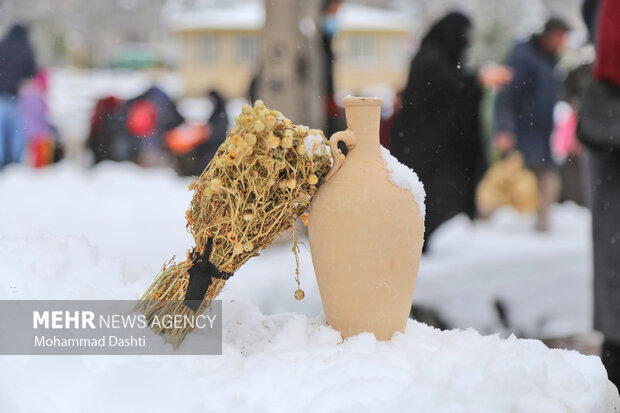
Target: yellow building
column 220, row 46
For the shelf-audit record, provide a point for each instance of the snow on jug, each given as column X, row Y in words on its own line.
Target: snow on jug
column 366, row 229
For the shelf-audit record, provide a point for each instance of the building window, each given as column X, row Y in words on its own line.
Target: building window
column 208, row 49
column 247, row 50
column 361, row 50
column 397, row 51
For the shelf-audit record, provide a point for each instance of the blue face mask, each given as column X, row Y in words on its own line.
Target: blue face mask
column 330, row 25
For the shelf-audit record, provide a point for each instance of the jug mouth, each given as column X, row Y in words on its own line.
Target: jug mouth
column 361, row 101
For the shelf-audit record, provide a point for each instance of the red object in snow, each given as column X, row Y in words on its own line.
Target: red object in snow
column 142, row 118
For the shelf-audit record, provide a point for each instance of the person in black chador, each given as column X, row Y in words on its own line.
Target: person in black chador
column 436, row 132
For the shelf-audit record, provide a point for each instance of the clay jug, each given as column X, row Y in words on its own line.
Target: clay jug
column 365, row 232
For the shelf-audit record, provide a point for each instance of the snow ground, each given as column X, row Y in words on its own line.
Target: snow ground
column 66, row 233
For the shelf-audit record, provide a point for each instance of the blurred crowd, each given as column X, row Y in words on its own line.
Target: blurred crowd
column 542, row 151
column 25, row 130
column 146, row 129
column 436, row 132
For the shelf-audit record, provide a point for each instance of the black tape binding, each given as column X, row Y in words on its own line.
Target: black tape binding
column 201, row 275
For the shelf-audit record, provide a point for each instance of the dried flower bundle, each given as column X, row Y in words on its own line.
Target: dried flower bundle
column 260, row 181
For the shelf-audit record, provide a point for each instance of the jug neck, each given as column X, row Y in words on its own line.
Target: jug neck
column 363, row 118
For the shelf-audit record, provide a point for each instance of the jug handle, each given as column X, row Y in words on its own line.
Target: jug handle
column 346, row 136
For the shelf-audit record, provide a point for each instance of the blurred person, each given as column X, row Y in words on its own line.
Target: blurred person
column 388, row 122
column 17, row 63
column 41, row 137
column 599, row 130
column 103, row 127
column 524, row 110
column 436, row 132
column 589, row 12
column 145, row 120
column 195, row 145
column 217, row 126
column 329, row 28
column 565, row 145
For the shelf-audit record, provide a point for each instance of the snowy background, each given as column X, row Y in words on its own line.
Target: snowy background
column 103, row 233
column 124, row 222
column 74, row 232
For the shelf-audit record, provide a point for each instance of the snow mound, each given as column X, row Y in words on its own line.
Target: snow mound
column 290, row 362
column 403, row 177
column 104, row 233
column 280, row 363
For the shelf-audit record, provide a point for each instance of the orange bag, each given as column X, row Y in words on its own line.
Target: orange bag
column 186, row 137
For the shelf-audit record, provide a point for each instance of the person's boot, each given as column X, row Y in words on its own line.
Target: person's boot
column 610, row 356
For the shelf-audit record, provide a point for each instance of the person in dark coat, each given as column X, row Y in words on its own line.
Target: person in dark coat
column 17, row 63
column 217, row 125
column 196, row 159
column 436, row 131
column 604, row 186
column 145, row 120
column 589, row 12
column 103, row 127
column 524, row 110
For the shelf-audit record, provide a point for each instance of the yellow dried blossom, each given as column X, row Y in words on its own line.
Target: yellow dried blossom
column 247, row 121
column 250, row 139
column 236, row 140
column 248, row 246
column 288, row 134
column 221, row 162
column 272, row 141
column 248, row 216
column 238, row 249
column 313, row 180
column 259, row 126
column 246, row 150
column 286, row 142
column 304, row 218
column 215, row 184
column 299, row 294
column 301, row 149
column 246, row 109
column 291, row 183
column 270, row 121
